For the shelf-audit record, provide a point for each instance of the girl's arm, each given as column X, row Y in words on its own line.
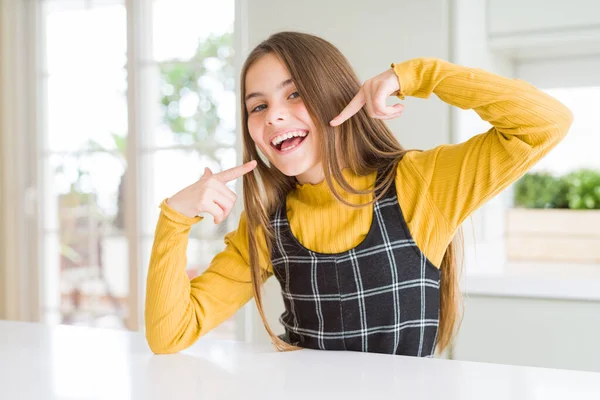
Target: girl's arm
column 447, row 183
column 179, row 311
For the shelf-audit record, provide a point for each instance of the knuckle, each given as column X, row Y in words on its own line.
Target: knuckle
column 209, row 181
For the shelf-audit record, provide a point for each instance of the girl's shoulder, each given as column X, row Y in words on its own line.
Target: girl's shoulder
column 419, row 166
column 410, row 163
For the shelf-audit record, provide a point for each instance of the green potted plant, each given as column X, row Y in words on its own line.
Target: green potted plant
column 555, row 218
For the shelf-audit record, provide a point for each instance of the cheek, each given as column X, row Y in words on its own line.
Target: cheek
column 254, row 128
column 256, row 133
column 302, row 114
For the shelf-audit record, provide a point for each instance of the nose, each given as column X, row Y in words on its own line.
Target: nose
column 276, row 114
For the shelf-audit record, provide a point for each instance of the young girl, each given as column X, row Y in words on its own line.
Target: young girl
column 358, row 231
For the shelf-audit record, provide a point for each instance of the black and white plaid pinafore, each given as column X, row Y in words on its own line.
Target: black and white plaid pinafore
column 381, row 296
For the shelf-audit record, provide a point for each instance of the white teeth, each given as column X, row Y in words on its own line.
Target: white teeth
column 288, row 135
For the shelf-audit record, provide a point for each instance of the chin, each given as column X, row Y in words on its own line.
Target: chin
column 292, row 170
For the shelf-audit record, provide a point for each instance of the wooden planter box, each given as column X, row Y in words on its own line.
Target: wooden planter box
column 553, row 235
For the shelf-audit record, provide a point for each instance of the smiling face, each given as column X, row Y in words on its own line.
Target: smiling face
column 278, row 121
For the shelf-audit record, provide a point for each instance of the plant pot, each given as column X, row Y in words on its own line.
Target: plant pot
column 555, row 235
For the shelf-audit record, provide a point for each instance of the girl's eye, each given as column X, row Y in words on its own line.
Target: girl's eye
column 261, row 107
column 258, row 108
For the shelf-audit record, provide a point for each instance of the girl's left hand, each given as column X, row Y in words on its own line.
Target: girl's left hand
column 374, row 93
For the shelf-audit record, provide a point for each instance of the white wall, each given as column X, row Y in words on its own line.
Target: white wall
column 372, row 35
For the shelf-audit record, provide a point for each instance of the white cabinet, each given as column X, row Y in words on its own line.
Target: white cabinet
column 532, row 332
column 543, row 28
column 521, row 17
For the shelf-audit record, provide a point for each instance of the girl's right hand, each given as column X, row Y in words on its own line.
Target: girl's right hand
column 210, row 194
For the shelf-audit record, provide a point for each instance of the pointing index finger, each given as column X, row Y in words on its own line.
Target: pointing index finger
column 235, row 172
column 352, row 108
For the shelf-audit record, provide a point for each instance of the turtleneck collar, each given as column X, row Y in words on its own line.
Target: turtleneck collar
column 320, row 194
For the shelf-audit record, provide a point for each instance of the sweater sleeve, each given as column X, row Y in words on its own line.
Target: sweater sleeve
column 179, row 311
column 441, row 187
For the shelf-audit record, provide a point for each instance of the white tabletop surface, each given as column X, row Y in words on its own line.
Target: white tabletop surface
column 41, row 362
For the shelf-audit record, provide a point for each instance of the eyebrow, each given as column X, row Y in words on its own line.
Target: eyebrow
column 279, row 87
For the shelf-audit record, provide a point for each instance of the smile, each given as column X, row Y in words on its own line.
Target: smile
column 288, row 141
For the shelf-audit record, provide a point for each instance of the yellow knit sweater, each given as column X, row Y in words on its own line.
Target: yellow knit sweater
column 437, row 189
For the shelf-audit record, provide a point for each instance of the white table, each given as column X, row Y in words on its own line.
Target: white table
column 41, row 362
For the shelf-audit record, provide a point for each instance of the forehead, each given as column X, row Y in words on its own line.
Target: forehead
column 265, row 74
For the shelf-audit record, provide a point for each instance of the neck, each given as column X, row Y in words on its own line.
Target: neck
column 313, row 176
column 316, row 174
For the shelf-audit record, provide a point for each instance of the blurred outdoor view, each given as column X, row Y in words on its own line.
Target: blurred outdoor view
column 186, row 112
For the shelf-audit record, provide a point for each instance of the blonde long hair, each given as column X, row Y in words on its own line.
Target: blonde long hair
column 327, row 83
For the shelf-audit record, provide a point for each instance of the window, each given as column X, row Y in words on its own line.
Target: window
column 83, row 84
column 576, row 84
column 182, row 109
column 580, row 148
